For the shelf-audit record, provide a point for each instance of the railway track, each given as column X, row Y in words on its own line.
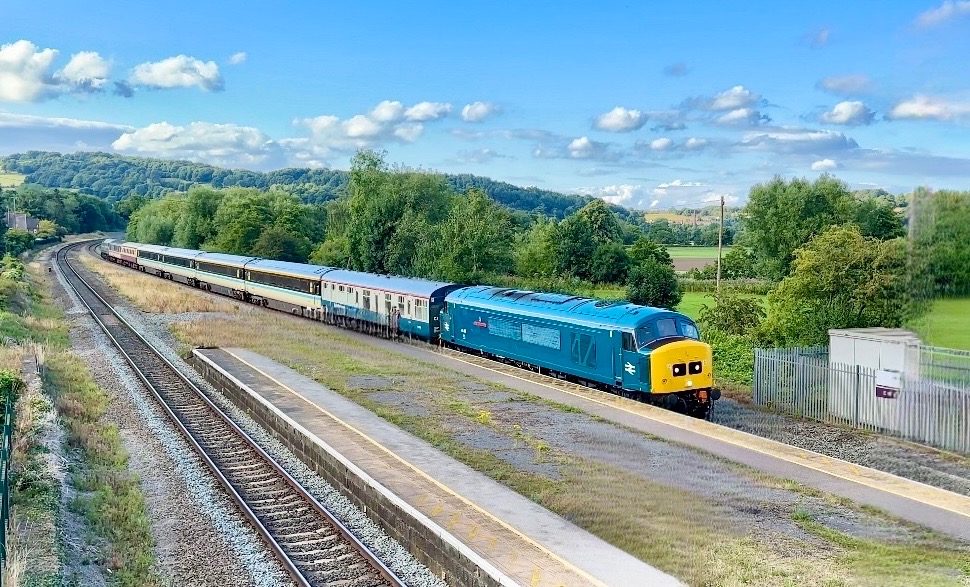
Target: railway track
column 313, row 546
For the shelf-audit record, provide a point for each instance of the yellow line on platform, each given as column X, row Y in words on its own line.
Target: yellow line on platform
column 927, row 494
column 568, row 565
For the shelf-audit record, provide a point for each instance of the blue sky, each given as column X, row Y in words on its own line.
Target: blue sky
column 641, row 103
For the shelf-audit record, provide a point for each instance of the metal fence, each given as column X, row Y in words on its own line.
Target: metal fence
column 932, row 408
column 6, row 446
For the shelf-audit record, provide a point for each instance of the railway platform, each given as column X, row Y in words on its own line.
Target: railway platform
column 508, row 538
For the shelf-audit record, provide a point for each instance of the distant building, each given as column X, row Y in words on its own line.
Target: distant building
column 22, row 221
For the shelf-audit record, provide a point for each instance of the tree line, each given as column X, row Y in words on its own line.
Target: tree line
column 412, row 223
column 837, row 260
column 60, row 212
column 114, row 177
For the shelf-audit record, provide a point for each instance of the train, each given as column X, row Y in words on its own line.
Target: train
column 649, row 354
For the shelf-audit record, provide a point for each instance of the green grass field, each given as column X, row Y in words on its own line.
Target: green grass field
column 947, row 324
column 10, row 179
column 694, row 252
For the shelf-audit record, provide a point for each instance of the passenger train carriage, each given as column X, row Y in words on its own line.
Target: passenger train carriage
column 650, row 354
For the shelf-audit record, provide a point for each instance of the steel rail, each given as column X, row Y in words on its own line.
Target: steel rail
column 80, row 286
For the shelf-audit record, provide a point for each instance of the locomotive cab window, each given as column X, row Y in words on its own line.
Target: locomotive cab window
column 689, row 330
column 666, row 327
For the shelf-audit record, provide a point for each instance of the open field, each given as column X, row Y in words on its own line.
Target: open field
column 947, row 324
column 10, row 179
column 687, row 258
column 717, row 524
column 676, row 218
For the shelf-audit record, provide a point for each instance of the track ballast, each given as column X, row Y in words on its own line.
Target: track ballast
column 311, row 544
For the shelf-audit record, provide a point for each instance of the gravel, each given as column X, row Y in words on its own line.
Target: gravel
column 740, row 500
column 200, row 538
column 154, row 327
column 912, row 461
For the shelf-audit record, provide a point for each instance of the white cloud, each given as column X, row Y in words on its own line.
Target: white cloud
column 180, row 71
column 741, row 117
column 478, row 111
column 480, row 156
column 662, row 144
column 736, row 97
column 825, row 165
column 25, row 72
column 586, row 148
column 221, row 144
column 695, row 144
column 21, row 132
column 408, row 133
column 582, row 148
column 238, row 58
column 845, row 85
column 849, row 113
column 930, row 108
column 797, row 140
column 388, row 121
column 360, row 126
column 387, row 111
column 944, row 12
column 424, row 111
column 87, row 71
column 679, row 183
column 623, row 195
column 620, row 120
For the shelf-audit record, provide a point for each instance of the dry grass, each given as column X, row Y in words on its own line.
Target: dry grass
column 151, row 294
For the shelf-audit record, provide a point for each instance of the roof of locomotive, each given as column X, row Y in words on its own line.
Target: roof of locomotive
column 403, row 285
column 600, row 313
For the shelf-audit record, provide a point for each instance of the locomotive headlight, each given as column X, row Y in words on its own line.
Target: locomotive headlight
column 690, row 383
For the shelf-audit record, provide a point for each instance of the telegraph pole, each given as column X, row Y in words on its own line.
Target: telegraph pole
column 720, row 238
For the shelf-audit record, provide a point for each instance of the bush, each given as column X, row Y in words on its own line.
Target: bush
column 733, row 356
column 654, row 284
column 732, row 314
column 10, row 385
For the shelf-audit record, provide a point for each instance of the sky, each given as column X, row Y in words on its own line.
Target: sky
column 646, row 104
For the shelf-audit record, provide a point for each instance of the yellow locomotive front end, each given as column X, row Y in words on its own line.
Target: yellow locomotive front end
column 682, row 376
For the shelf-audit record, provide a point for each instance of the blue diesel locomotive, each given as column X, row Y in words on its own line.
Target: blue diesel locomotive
column 649, row 354
column 645, row 353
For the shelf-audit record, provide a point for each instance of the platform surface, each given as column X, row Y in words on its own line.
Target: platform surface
column 527, row 543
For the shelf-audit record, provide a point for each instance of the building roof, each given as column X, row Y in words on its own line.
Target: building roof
column 403, row 285
column 598, row 313
column 287, row 268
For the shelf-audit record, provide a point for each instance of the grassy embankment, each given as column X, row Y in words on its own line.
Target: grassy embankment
column 679, row 532
column 106, row 495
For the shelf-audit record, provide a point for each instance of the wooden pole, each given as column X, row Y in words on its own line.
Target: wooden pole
column 720, row 238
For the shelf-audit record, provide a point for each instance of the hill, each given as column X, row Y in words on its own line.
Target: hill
column 113, row 177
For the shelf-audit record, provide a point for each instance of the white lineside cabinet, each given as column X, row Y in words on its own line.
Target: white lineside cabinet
column 856, row 353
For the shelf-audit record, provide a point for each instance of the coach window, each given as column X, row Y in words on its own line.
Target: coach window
column 367, row 299
column 628, row 343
